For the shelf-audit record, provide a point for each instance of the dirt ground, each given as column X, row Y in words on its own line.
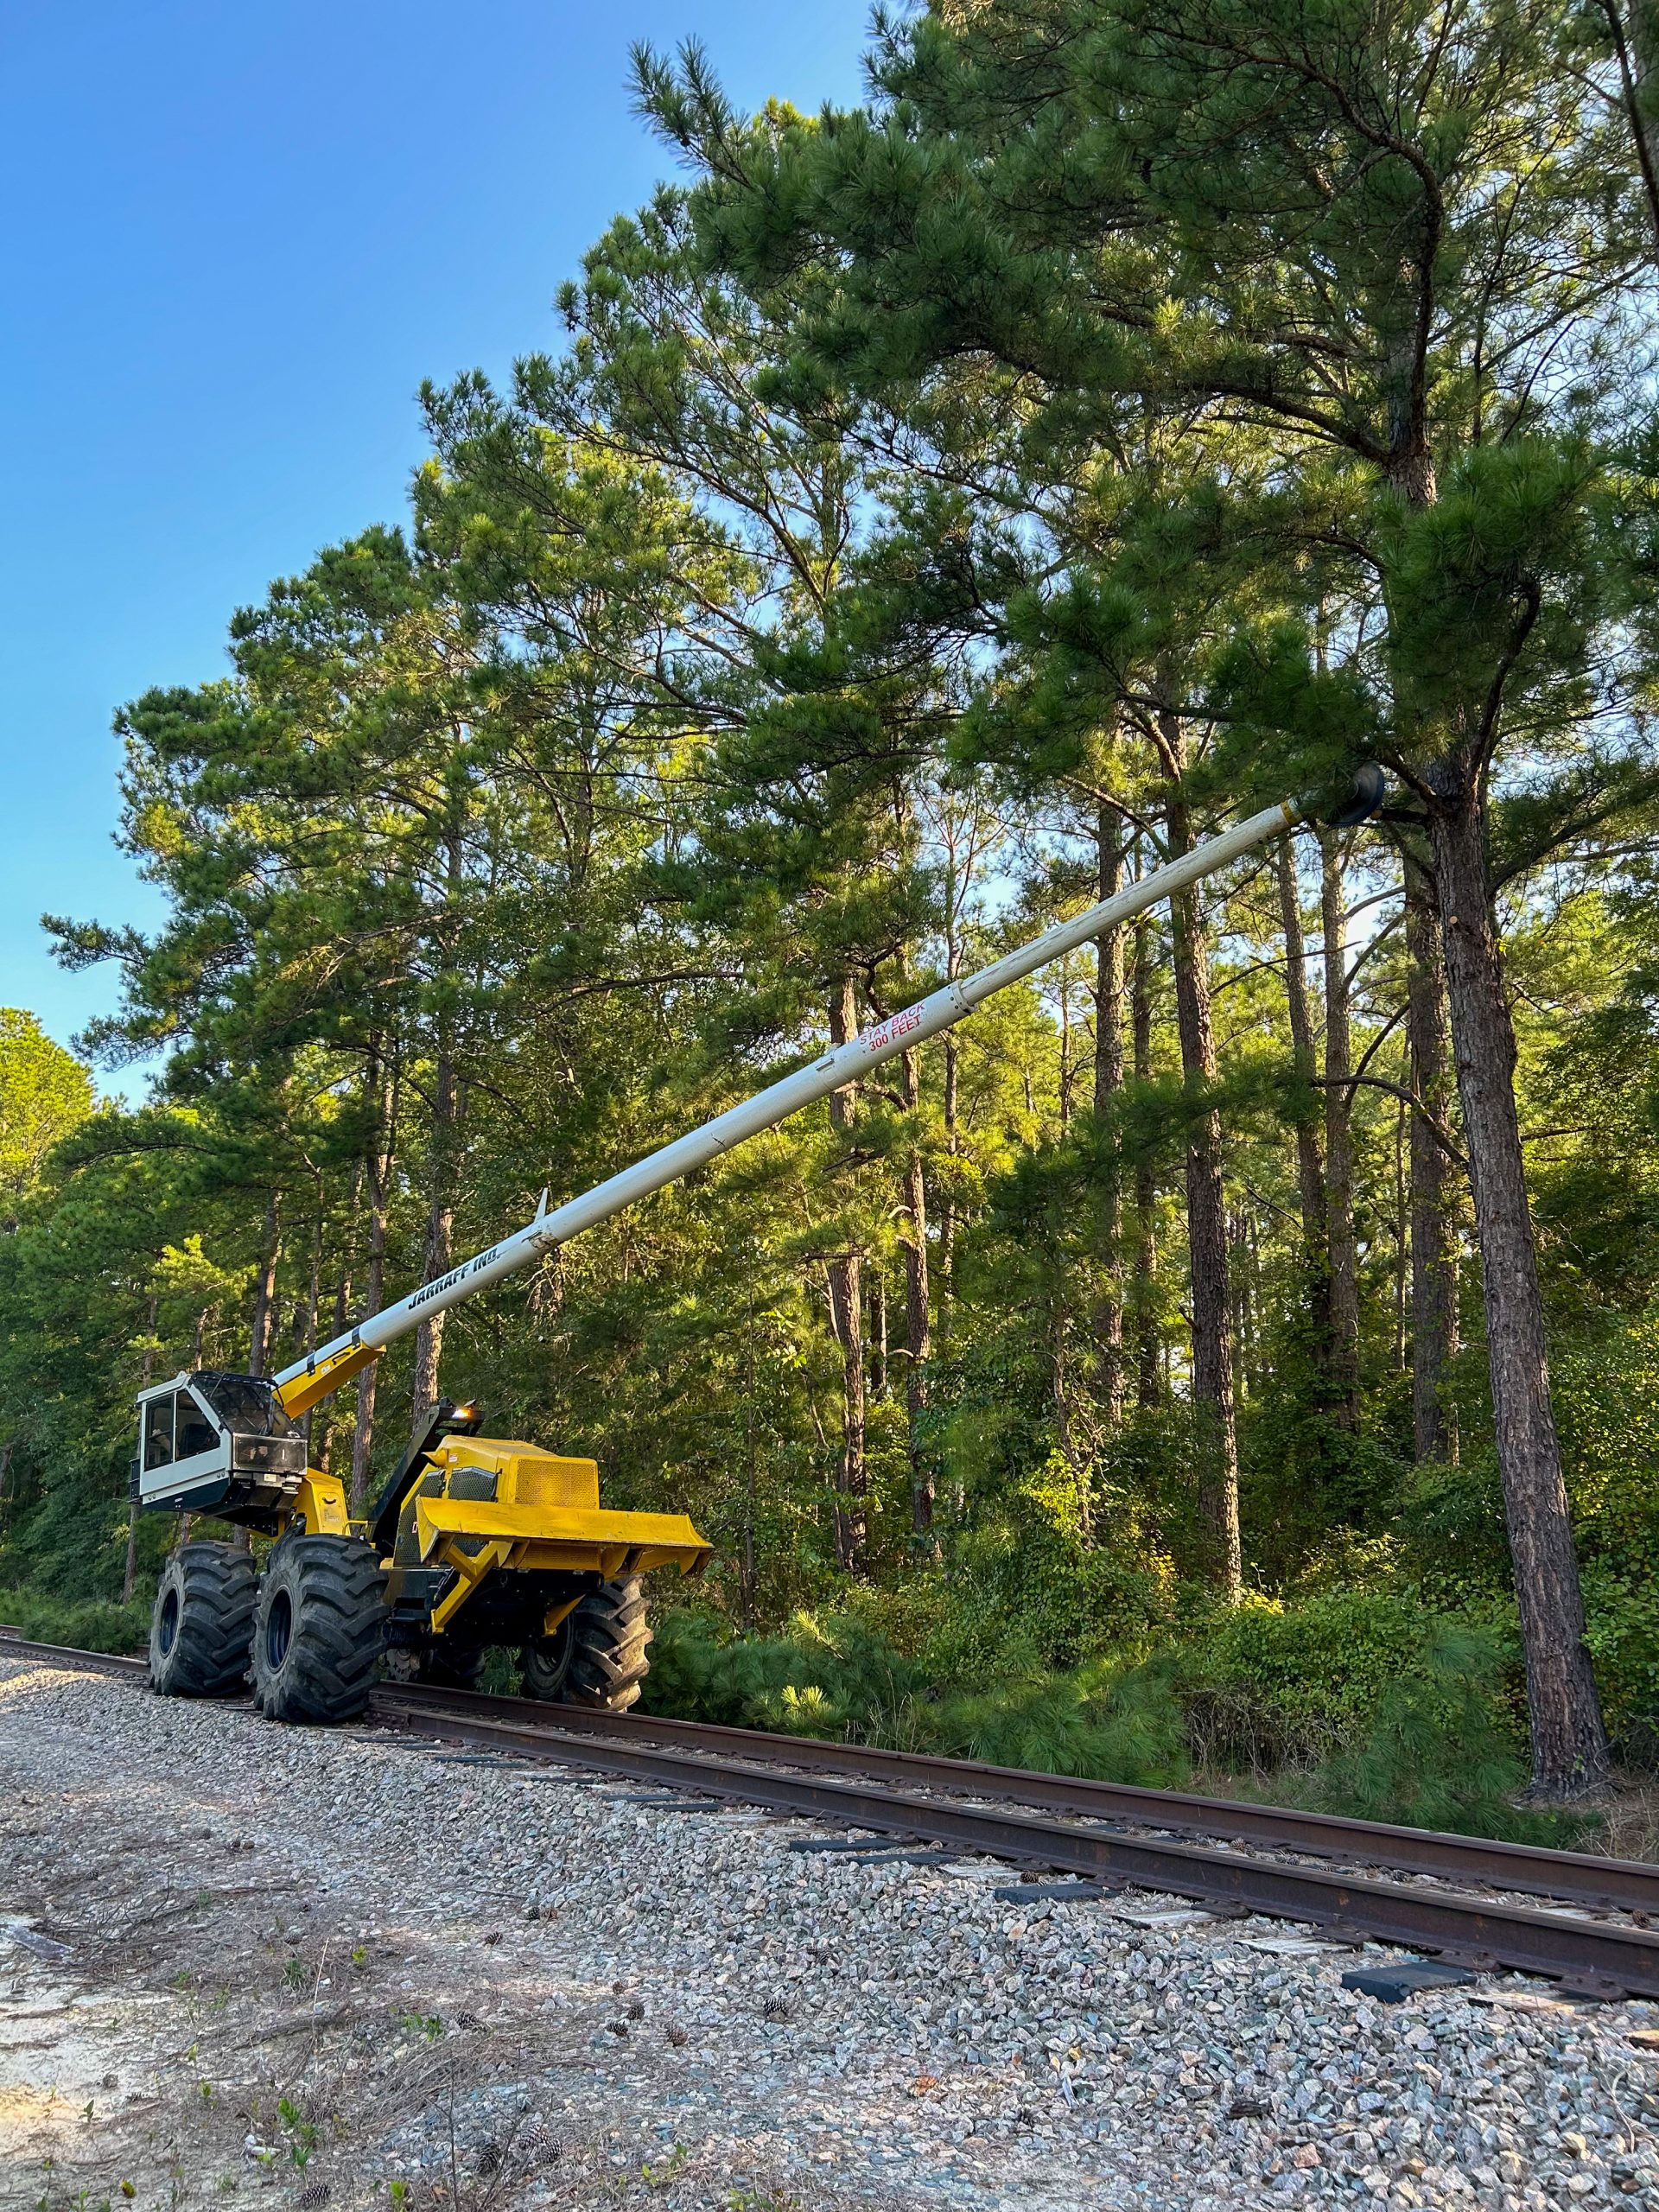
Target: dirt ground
column 189, row 2017
column 243, row 1966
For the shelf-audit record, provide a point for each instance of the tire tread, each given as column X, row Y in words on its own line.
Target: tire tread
column 604, row 1658
column 218, row 1590
column 337, row 1634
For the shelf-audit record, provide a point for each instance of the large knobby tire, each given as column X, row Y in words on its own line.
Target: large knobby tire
column 596, row 1655
column 201, row 1630
column 319, row 1631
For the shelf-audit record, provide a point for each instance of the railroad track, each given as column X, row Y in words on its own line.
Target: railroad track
column 1460, row 1895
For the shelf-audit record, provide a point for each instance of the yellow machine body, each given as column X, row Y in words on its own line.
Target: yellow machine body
column 488, row 1505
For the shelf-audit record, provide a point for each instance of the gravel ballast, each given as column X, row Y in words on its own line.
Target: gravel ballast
column 245, row 1963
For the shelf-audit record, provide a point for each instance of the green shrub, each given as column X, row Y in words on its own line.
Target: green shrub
column 1357, row 1701
column 89, row 1626
column 1622, row 1612
column 1437, row 1753
column 835, row 1678
column 1025, row 1597
column 1126, row 1726
column 1266, row 1685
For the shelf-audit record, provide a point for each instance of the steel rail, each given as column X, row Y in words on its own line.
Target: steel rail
column 1597, row 1957
column 114, row 1662
column 1600, row 1957
column 1610, row 1884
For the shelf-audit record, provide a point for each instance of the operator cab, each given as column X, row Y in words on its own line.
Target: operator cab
column 210, row 1439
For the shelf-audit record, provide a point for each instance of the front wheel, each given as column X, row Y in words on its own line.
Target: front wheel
column 202, row 1627
column 596, row 1655
column 319, row 1630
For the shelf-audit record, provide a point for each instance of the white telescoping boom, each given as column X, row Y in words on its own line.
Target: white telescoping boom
column 321, row 1372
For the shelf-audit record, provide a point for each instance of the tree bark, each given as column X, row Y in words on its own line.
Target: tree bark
column 1108, row 1083
column 376, row 1168
column 1214, row 1426
column 917, row 1314
column 1434, row 1241
column 1402, row 1244
column 146, row 1365
column 438, row 1251
column 264, row 1296
column 948, row 1210
column 1310, row 1163
column 1569, row 1746
column 444, row 1164
column 846, row 1314
column 1067, row 1073
column 264, row 1314
column 1635, row 41
column 1148, row 1374
column 1340, row 1139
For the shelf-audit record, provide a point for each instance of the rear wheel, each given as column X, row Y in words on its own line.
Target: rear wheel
column 201, row 1630
column 319, row 1630
column 596, row 1655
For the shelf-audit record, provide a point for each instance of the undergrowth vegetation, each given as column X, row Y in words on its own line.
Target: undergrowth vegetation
column 1354, row 1703
column 87, row 1625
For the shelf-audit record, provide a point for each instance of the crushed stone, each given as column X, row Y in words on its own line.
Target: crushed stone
column 267, row 1961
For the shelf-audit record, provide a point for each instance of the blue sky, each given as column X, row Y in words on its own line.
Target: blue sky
column 236, row 240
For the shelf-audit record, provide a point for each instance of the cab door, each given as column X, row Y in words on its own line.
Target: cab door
column 182, row 1451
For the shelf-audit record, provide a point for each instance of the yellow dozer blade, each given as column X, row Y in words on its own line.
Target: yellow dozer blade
column 488, row 1504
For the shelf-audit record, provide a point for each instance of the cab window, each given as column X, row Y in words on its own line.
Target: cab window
column 193, row 1431
column 158, row 1432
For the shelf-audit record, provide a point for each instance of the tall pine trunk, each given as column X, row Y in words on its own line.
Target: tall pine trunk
column 1339, row 1139
column 952, row 1060
column 1214, row 1426
column 918, row 1341
column 443, row 1156
column 1310, row 1163
column 263, row 1332
column 846, row 1315
column 1434, row 1243
column 376, row 1170
column 1108, row 1082
column 146, row 1367
column 1148, row 1372
column 437, row 1252
column 1569, row 1746
column 1635, row 40
column 1569, row 1743
column 264, row 1294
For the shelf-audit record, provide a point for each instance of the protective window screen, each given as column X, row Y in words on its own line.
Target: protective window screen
column 245, row 1404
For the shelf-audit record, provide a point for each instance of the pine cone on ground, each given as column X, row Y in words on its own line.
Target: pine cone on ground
column 537, row 2143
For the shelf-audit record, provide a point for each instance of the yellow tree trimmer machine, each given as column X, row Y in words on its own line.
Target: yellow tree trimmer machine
column 476, row 1540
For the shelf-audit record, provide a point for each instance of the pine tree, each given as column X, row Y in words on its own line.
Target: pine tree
column 1329, row 231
